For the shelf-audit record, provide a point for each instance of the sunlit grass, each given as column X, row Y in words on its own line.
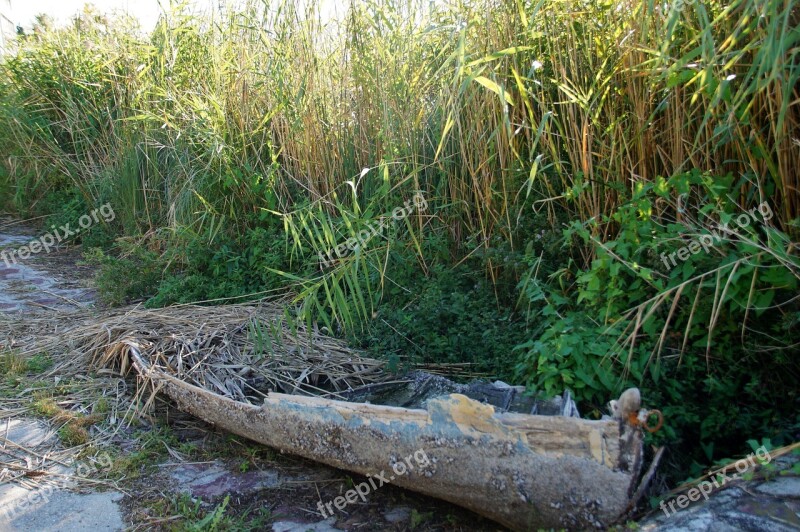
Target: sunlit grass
column 491, row 109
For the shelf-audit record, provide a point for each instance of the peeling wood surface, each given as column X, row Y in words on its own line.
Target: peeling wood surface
column 526, row 472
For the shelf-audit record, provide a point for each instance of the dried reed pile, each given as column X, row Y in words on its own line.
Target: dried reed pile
column 238, row 351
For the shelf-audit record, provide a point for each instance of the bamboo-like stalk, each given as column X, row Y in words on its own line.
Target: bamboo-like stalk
column 490, row 108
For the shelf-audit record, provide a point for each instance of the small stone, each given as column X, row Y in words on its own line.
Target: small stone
column 291, row 526
column 211, row 481
column 400, row 514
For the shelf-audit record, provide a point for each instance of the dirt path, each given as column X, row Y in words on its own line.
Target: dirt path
column 166, row 472
column 52, row 281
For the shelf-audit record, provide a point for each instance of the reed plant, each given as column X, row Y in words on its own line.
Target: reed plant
column 279, row 115
column 489, row 106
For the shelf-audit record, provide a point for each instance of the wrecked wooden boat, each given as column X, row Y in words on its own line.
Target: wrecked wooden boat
column 524, row 471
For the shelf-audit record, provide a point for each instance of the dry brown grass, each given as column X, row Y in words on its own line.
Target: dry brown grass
column 240, row 351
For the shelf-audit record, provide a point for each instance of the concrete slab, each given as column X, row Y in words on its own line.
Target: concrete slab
column 63, row 511
column 28, row 433
column 50, row 507
column 33, row 283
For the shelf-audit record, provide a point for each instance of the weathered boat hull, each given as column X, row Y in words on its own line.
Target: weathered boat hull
column 526, row 472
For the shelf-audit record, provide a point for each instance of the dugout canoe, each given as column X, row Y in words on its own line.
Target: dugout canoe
column 527, row 472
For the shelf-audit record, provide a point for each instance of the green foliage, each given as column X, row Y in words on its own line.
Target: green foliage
column 38, row 363
column 419, row 519
column 72, row 435
column 450, row 316
column 570, row 353
column 190, row 515
column 132, row 276
column 12, row 364
column 67, row 206
column 224, row 271
column 212, row 519
column 693, row 336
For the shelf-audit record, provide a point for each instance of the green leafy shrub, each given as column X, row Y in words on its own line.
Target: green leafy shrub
column 450, row 316
column 692, row 336
column 223, row 271
column 67, row 206
column 134, row 274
